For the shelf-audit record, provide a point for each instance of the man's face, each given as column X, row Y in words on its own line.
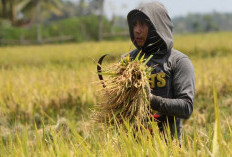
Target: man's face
column 140, row 31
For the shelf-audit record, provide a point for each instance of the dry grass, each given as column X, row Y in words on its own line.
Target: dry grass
column 125, row 93
column 42, row 84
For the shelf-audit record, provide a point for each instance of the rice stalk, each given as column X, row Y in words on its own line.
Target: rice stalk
column 125, row 94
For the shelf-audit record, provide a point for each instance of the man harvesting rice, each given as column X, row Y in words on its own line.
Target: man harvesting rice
column 172, row 82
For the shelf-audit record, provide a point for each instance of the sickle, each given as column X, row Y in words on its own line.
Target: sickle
column 99, row 69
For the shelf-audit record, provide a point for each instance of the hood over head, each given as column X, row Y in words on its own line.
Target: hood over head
column 160, row 24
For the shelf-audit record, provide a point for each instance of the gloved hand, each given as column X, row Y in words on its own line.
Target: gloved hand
column 154, row 101
column 154, row 106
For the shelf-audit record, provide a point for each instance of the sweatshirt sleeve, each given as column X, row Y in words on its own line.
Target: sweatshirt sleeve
column 183, row 84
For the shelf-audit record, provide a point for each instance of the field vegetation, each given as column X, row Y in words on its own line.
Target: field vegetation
column 48, row 93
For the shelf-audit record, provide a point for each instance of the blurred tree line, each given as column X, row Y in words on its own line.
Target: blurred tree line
column 198, row 23
column 42, row 21
column 45, row 20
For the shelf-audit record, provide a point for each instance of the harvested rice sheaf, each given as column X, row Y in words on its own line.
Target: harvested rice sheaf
column 125, row 94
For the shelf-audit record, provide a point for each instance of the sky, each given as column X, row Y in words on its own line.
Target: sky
column 174, row 7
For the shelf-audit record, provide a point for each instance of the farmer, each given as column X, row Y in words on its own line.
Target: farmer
column 172, row 81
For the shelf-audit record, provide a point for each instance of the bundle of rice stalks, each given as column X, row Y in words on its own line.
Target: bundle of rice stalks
column 125, row 93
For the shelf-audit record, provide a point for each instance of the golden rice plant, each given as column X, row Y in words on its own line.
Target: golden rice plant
column 124, row 95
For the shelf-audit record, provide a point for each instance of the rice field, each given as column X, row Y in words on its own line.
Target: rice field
column 48, row 93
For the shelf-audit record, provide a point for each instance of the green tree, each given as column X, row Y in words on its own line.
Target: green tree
column 3, row 7
column 38, row 10
column 97, row 7
column 8, row 10
column 211, row 25
column 11, row 8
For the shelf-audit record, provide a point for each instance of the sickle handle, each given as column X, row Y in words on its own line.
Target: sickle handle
column 99, row 69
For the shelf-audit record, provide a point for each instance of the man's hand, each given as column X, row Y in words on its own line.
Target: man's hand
column 154, row 101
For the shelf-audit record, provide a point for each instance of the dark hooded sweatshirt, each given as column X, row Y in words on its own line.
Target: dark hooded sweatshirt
column 172, row 80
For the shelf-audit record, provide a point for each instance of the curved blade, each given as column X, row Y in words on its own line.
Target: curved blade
column 99, row 68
